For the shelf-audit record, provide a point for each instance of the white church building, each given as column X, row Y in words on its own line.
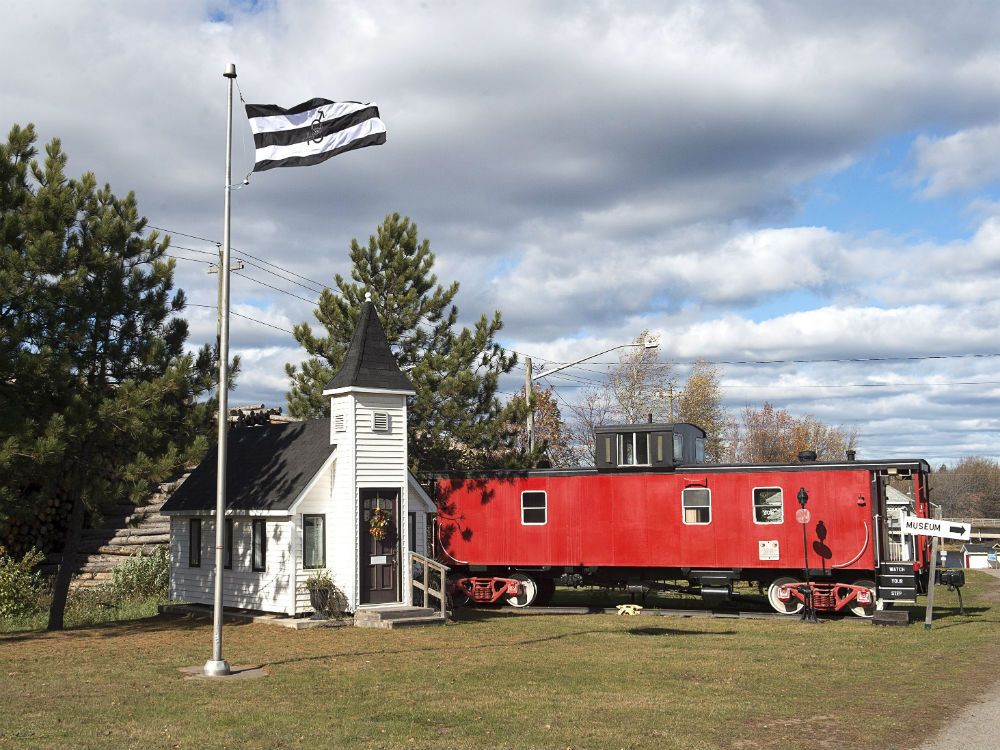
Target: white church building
column 321, row 495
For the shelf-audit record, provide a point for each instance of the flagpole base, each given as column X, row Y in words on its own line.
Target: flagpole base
column 218, row 668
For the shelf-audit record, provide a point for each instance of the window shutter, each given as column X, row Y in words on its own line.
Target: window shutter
column 606, row 451
column 380, row 421
column 661, row 448
column 339, row 424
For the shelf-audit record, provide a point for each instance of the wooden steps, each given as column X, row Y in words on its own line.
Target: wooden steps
column 397, row 617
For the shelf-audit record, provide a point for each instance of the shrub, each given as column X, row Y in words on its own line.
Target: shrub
column 20, row 584
column 142, row 576
column 324, row 594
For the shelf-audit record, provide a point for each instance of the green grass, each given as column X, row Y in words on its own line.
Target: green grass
column 87, row 607
column 494, row 680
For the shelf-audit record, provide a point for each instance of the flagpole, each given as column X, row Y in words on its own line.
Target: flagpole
column 217, row 666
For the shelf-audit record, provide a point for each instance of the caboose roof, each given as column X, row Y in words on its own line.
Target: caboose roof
column 900, row 464
column 647, row 427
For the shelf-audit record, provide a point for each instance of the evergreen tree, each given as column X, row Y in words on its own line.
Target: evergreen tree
column 97, row 398
column 456, row 420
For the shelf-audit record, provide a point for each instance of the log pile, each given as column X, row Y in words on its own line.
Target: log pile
column 45, row 530
column 126, row 530
column 255, row 415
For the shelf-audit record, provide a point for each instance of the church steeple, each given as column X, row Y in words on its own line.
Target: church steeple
column 369, row 363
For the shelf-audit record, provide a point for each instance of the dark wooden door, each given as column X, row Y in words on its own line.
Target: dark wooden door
column 380, row 557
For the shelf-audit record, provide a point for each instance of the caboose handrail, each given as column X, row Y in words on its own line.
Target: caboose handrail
column 424, row 584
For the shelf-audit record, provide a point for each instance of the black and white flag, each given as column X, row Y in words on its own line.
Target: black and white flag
column 311, row 132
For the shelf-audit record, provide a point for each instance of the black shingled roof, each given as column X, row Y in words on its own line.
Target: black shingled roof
column 369, row 362
column 266, row 468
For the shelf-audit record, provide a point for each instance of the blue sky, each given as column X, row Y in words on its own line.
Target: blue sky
column 750, row 180
column 877, row 194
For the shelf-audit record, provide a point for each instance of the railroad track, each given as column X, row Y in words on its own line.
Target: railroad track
column 720, row 614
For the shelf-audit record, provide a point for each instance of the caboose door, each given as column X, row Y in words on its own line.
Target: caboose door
column 379, row 546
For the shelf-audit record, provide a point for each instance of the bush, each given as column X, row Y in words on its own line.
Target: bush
column 142, row 576
column 21, row 585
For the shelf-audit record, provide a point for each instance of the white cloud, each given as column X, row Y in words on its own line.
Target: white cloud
column 589, row 169
column 961, row 161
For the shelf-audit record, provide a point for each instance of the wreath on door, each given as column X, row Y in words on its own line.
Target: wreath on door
column 378, row 524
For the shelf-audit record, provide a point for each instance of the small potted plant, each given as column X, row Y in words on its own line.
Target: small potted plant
column 324, row 596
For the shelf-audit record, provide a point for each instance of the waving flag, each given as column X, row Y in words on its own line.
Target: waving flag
column 311, row 132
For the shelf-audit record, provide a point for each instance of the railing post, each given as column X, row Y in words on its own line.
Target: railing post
column 426, row 583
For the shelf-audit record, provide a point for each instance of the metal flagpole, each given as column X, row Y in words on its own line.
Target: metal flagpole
column 217, row 666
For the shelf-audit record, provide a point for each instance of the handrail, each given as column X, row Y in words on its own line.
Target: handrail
column 427, row 564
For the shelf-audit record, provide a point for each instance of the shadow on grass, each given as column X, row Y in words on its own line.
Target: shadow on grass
column 676, row 631
column 116, row 628
column 424, row 649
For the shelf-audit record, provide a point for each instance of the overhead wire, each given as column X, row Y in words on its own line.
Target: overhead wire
column 237, row 251
column 245, row 317
column 575, row 379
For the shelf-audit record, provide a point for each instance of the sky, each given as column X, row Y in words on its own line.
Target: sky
column 751, row 181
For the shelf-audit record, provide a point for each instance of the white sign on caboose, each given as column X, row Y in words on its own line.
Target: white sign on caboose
column 936, row 527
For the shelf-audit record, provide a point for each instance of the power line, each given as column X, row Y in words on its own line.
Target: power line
column 245, row 317
column 248, row 277
column 320, row 284
column 277, row 289
column 193, row 260
column 725, row 386
column 833, row 360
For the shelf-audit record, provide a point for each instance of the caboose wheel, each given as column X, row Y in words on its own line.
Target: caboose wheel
column 529, row 591
column 792, row 606
column 866, row 610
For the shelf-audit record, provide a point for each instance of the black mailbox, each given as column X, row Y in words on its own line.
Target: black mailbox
column 950, row 577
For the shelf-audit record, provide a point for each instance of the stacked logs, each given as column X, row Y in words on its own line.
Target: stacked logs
column 255, row 415
column 44, row 529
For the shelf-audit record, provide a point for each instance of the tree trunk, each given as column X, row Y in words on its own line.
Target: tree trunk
column 60, row 589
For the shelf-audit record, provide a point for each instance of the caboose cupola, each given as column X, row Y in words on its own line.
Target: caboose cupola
column 649, row 445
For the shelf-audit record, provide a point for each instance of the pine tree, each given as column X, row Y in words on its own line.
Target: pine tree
column 98, row 396
column 456, row 420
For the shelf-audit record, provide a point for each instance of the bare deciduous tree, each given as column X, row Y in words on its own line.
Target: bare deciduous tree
column 700, row 403
column 970, row 489
column 769, row 435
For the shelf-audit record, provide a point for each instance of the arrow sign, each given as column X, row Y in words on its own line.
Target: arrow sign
column 936, row 527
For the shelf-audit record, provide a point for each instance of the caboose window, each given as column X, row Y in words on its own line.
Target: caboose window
column 768, row 506
column 699, row 450
column 678, row 447
column 533, row 508
column 696, row 502
column 633, row 447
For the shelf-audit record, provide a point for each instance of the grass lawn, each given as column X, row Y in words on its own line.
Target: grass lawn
column 494, row 680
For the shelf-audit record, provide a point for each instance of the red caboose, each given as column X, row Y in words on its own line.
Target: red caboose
column 652, row 512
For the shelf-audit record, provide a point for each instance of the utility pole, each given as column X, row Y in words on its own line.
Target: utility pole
column 237, row 266
column 670, row 398
column 530, row 403
column 652, row 343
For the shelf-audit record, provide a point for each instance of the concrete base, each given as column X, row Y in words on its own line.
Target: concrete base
column 231, row 615
column 891, row 617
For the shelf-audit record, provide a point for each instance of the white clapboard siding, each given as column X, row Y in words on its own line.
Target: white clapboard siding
column 270, row 590
column 380, row 456
column 318, row 500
